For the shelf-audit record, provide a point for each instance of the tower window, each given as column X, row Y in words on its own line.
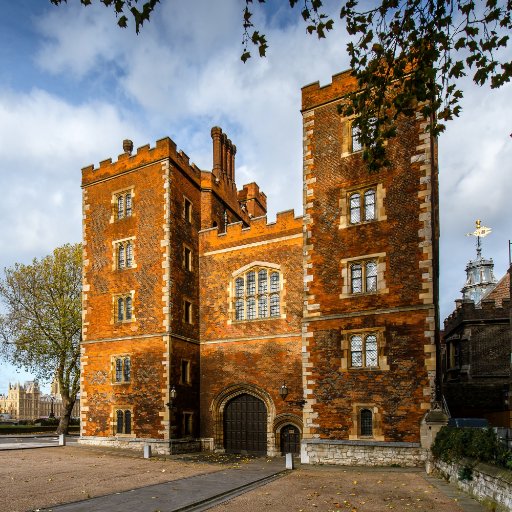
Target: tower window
column 362, row 206
column 123, row 201
column 123, row 421
column 122, row 369
column 363, row 277
column 366, row 422
column 124, row 308
column 363, row 350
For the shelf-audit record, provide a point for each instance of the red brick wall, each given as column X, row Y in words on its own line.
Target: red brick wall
column 402, row 311
column 258, row 353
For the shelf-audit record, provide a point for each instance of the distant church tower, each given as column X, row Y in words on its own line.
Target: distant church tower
column 480, row 276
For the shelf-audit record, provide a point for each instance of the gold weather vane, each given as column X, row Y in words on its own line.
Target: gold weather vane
column 480, row 232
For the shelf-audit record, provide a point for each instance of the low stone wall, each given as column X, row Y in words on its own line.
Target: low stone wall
column 158, row 446
column 490, row 485
column 362, row 453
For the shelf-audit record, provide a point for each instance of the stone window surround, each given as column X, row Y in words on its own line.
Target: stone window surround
column 117, row 296
column 380, row 258
column 115, row 253
column 113, row 362
column 113, row 422
column 355, row 431
column 113, row 203
column 346, row 137
column 256, row 265
column 382, row 359
column 380, row 212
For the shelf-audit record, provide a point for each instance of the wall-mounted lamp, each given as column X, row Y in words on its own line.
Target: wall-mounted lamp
column 283, row 393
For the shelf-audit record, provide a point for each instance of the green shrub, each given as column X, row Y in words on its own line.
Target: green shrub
column 453, row 444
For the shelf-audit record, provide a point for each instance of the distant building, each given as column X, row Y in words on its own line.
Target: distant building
column 477, row 342
column 26, row 402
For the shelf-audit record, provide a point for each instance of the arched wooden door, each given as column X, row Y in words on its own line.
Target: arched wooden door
column 245, row 425
column 290, row 439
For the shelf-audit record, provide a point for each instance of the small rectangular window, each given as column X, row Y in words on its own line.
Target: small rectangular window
column 187, row 210
column 356, row 138
column 185, row 371
column 187, row 312
column 188, row 424
column 187, row 259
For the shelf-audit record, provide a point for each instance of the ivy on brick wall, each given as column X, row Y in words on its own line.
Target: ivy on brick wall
column 482, row 445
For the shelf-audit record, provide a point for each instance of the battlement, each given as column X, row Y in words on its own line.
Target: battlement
column 314, row 95
column 253, row 200
column 468, row 311
column 286, row 224
column 145, row 155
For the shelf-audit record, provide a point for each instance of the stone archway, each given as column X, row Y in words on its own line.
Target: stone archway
column 229, row 395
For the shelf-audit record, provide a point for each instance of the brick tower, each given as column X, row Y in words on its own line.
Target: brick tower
column 370, row 273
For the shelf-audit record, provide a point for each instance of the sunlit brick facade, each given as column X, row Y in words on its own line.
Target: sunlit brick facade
column 320, row 328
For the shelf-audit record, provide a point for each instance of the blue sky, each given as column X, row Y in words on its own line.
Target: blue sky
column 73, row 86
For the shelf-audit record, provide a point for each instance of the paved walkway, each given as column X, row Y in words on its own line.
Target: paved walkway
column 192, row 494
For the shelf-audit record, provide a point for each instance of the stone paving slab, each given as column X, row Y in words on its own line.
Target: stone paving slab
column 179, row 494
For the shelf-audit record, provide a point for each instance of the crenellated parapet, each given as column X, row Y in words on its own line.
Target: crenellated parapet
column 145, row 155
column 468, row 311
column 314, row 95
column 286, row 225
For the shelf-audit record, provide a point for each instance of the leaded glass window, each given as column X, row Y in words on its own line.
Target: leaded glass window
column 262, row 281
column 126, row 369
column 274, row 282
column 369, row 205
column 263, row 306
column 239, row 309
column 127, row 422
column 120, row 256
column 120, row 309
column 366, row 422
column 128, row 204
column 371, row 350
column 251, row 308
column 119, row 422
column 356, row 277
column 274, row 305
column 128, row 308
column 356, row 138
column 363, row 351
column 251, row 283
column 257, row 294
column 129, row 254
column 119, row 370
column 356, row 350
column 371, row 276
column 239, row 287
column 355, row 208
column 120, row 206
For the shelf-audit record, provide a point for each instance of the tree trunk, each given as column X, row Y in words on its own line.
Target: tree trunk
column 67, row 408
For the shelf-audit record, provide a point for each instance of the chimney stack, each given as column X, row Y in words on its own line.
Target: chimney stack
column 127, row 146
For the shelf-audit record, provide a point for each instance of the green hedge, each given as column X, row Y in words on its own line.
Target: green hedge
column 453, row 444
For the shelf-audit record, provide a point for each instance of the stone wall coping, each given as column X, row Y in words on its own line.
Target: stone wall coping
column 361, row 442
